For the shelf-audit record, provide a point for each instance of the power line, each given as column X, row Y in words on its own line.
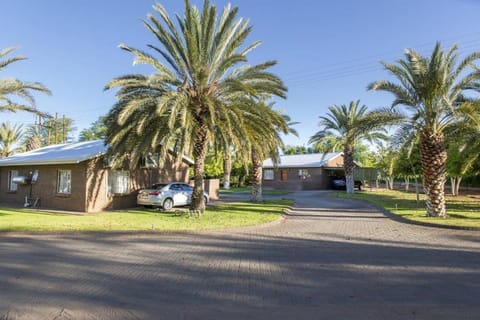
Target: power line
column 348, row 70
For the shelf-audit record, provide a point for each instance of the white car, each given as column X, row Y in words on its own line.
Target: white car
column 167, row 195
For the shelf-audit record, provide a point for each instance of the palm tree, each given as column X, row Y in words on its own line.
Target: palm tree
column 10, row 136
column 199, row 90
column 14, row 87
column 265, row 141
column 329, row 144
column 353, row 123
column 32, row 137
column 430, row 89
column 227, row 169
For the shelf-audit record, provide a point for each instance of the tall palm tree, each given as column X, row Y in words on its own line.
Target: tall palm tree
column 430, row 89
column 227, row 168
column 32, row 137
column 10, row 136
column 352, row 124
column 265, row 141
column 16, row 88
column 200, row 88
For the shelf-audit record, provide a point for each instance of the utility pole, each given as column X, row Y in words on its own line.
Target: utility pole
column 64, row 124
column 56, row 127
column 39, row 128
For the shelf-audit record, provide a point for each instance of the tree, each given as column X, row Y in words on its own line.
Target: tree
column 364, row 155
column 430, row 89
column 265, row 141
column 328, row 144
column 388, row 162
column 32, row 138
column 14, row 88
column 10, row 136
column 455, row 165
column 58, row 130
column 464, row 144
column 289, row 149
column 50, row 131
column 352, row 124
column 227, row 169
column 408, row 164
column 96, row 131
column 213, row 165
column 200, row 90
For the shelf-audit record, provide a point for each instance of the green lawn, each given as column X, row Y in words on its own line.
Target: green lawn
column 248, row 189
column 215, row 217
column 463, row 211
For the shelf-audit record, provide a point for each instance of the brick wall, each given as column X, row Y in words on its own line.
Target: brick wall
column 89, row 185
column 46, row 186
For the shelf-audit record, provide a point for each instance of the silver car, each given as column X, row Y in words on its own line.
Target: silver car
column 167, row 195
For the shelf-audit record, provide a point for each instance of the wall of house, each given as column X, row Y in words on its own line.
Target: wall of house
column 290, row 179
column 315, row 179
column 89, row 186
column 335, row 162
column 46, row 187
column 98, row 198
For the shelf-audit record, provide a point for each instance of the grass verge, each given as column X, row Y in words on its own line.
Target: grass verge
column 463, row 211
column 215, row 217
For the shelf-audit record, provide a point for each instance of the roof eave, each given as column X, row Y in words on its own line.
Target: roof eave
column 19, row 163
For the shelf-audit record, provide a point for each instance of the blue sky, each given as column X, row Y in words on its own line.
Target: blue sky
column 328, row 51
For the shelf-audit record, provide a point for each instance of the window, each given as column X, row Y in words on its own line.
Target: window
column 284, row 174
column 64, row 181
column 150, row 161
column 119, row 181
column 303, row 174
column 268, row 174
column 11, row 185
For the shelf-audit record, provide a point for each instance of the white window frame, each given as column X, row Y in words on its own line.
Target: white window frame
column 64, row 181
column 118, row 182
column 268, row 174
column 12, row 186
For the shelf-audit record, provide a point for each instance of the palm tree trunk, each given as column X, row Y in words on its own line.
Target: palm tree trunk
column 227, row 169
column 434, row 160
column 200, row 148
column 257, row 171
column 348, row 165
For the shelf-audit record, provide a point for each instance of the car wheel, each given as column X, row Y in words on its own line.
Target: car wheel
column 167, row 204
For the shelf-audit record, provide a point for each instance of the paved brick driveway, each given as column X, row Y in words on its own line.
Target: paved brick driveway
column 329, row 259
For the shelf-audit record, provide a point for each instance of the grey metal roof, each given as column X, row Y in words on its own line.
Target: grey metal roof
column 68, row 153
column 312, row 160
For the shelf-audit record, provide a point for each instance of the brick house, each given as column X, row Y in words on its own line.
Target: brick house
column 303, row 171
column 76, row 177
